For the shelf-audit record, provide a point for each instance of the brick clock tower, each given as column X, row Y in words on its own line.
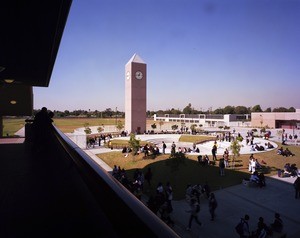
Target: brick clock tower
column 135, row 95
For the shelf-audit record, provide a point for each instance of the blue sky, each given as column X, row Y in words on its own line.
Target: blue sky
column 210, row 53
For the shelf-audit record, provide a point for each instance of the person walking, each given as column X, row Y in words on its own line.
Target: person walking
column 222, row 167
column 212, row 205
column 173, row 147
column 195, row 209
column 214, row 151
column 169, row 196
column 164, row 146
column 242, row 227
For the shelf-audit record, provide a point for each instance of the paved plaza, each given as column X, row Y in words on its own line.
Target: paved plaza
column 233, row 202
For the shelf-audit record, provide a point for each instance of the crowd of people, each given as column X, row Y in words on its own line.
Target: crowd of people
column 161, row 203
column 134, row 185
column 262, row 230
column 92, row 141
column 193, row 195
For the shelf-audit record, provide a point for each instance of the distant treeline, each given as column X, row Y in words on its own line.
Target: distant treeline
column 109, row 113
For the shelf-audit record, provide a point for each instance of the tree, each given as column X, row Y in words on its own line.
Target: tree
column 235, row 147
column 229, row 110
column 219, row 111
column 134, row 144
column 67, row 112
column 174, row 127
column 268, row 109
column 108, row 112
column 153, row 126
column 193, row 128
column 280, row 109
column 292, row 109
column 187, row 109
column 100, row 129
column 87, row 130
column 173, row 111
column 241, row 110
column 119, row 125
column 256, row 108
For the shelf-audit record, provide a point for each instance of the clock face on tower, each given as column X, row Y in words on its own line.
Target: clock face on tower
column 128, row 75
column 138, row 75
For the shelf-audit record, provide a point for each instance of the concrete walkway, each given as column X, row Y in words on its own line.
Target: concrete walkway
column 235, row 202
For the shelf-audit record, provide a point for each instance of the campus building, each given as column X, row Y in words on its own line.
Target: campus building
column 285, row 120
column 206, row 120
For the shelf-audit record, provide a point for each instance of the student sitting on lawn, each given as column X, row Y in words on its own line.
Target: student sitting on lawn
column 287, row 152
column 280, row 151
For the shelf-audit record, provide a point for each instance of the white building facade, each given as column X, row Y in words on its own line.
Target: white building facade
column 206, row 120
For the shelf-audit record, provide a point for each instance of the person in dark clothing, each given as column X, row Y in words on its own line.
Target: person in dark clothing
column 243, row 227
column 41, row 128
column 214, row 152
column 165, row 212
column 195, row 208
column 277, row 225
column 148, row 176
column 262, row 229
column 297, row 187
column 164, row 146
column 212, row 204
column 222, row 166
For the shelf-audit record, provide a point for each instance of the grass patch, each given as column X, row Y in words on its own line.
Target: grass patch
column 67, row 125
column 117, row 143
column 195, row 138
column 164, row 170
column 11, row 126
column 189, row 171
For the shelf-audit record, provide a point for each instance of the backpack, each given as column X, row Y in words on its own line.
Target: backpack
column 240, row 228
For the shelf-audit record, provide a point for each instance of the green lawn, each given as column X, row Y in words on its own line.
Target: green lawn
column 11, row 126
column 66, row 125
column 191, row 172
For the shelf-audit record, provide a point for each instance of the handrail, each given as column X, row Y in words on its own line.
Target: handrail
column 129, row 216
